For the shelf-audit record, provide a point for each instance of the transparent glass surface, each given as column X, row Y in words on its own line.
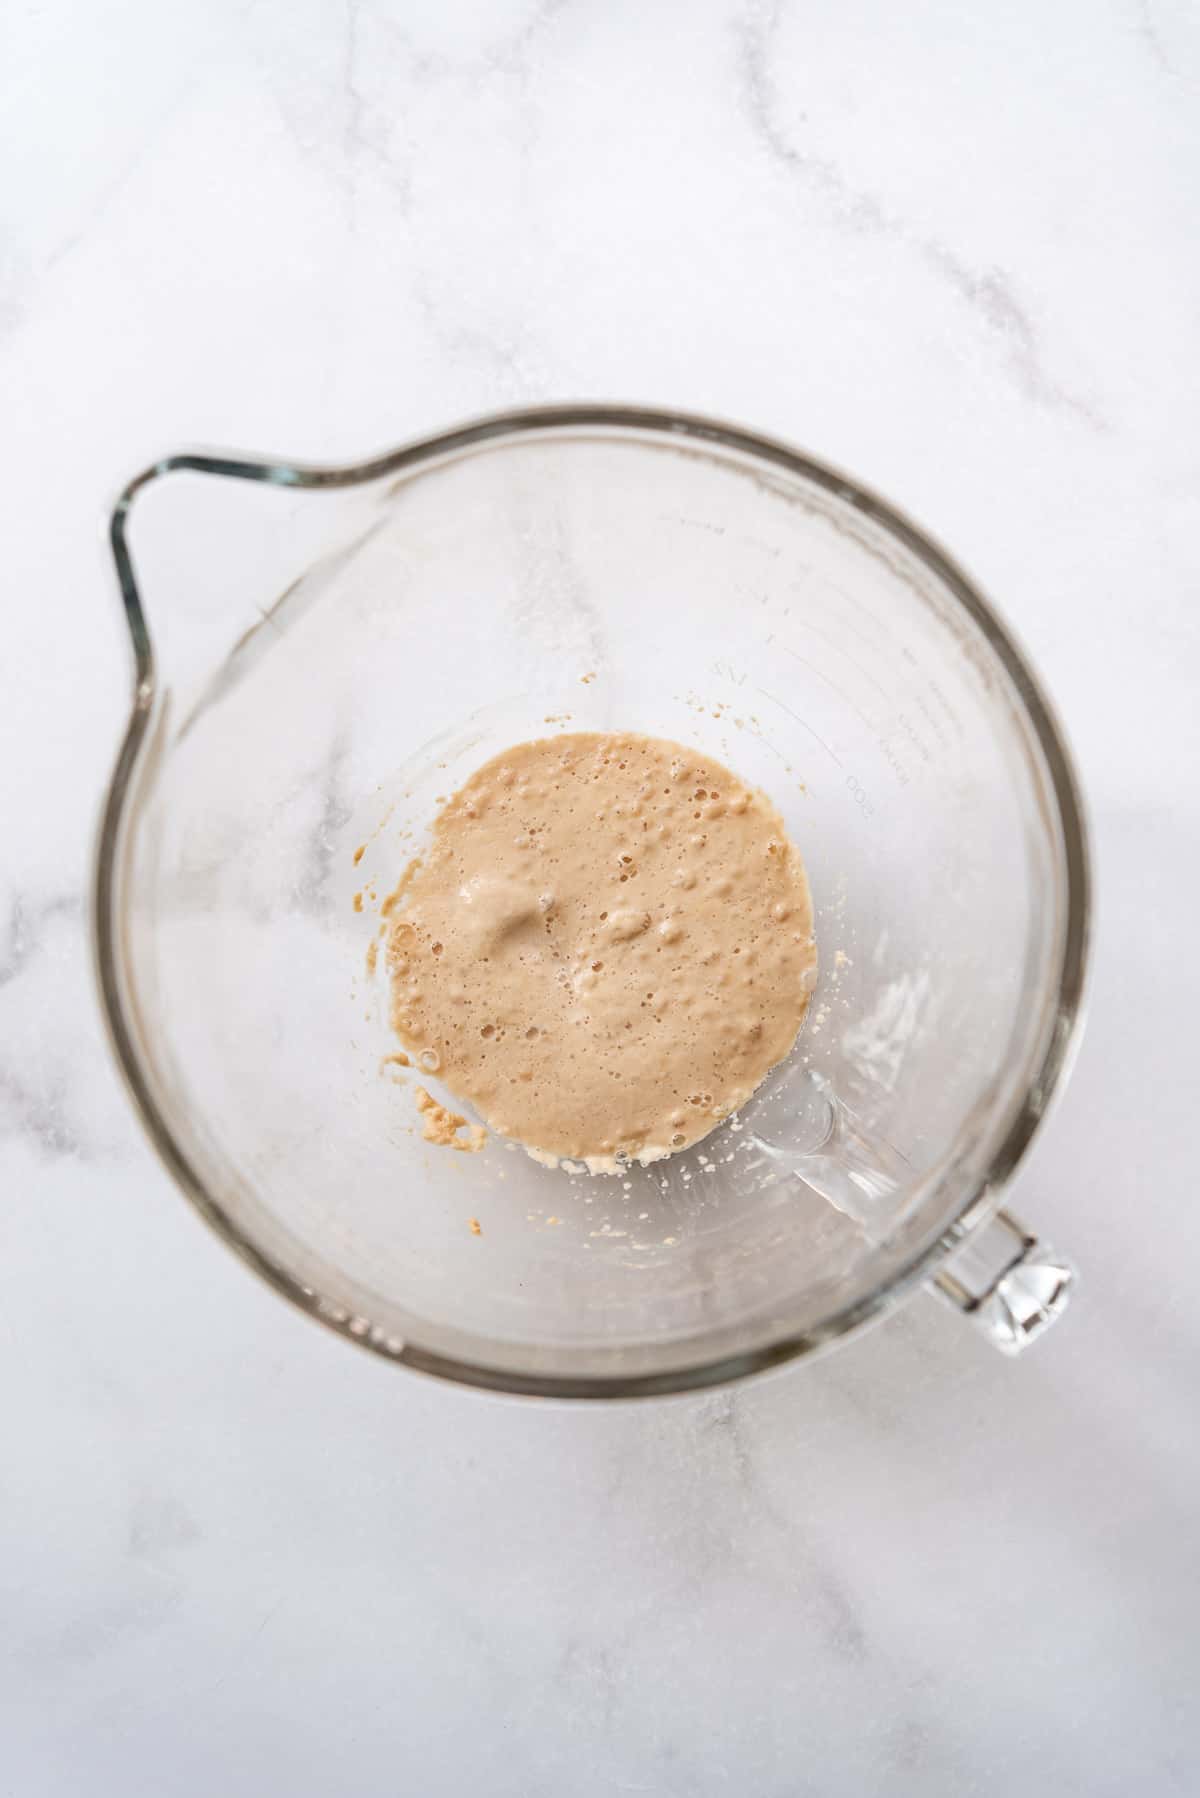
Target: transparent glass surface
column 439, row 605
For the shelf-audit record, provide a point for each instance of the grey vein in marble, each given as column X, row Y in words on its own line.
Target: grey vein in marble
column 48, row 1036
column 989, row 293
column 26, row 928
column 40, row 1111
column 508, row 54
column 723, row 1417
column 1149, row 33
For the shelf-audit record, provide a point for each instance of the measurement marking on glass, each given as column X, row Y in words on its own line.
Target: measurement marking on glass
column 812, row 667
column 853, row 661
column 859, row 795
column 887, row 650
column 850, row 600
column 800, row 721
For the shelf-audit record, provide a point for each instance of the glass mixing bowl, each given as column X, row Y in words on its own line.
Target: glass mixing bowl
column 347, row 645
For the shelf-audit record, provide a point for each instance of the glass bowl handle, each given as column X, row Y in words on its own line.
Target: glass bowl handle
column 1010, row 1285
column 997, row 1272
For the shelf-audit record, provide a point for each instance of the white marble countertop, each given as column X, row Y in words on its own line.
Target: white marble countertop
column 952, row 249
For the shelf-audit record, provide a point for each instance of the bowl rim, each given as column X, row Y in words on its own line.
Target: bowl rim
column 1012, row 1133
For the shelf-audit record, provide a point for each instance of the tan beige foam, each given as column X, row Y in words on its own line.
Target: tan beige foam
column 607, row 947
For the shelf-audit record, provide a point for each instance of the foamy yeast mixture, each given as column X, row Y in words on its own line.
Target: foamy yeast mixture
column 606, row 948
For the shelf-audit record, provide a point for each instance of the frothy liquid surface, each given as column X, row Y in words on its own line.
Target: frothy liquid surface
column 607, row 947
